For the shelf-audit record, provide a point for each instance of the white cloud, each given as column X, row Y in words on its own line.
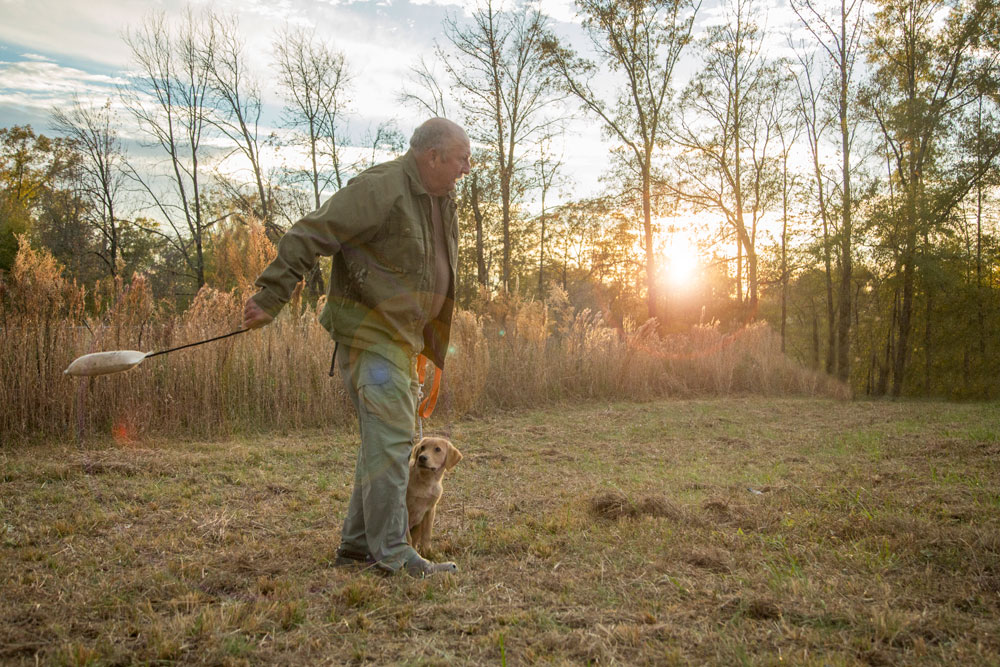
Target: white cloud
column 37, row 86
column 559, row 10
column 37, row 57
column 468, row 5
column 46, row 76
column 81, row 30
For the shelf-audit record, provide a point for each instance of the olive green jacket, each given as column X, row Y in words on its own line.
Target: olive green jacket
column 378, row 231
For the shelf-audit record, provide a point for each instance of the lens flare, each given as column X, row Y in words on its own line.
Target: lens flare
column 122, row 433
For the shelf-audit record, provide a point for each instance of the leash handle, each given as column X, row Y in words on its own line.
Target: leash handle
column 426, row 407
column 201, row 342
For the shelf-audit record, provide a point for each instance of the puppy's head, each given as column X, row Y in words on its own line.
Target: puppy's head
column 434, row 453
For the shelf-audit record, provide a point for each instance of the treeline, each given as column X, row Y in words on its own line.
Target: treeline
column 845, row 192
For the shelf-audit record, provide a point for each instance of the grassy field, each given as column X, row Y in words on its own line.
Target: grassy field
column 725, row 531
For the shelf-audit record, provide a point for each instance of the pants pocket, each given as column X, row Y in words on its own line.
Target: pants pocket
column 384, row 390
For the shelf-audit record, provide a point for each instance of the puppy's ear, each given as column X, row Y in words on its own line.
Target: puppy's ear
column 413, row 453
column 454, row 456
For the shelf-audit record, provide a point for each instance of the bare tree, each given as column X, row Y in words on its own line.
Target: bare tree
column 101, row 171
column 315, row 79
column 810, row 86
column 238, row 103
column 502, row 91
column 424, row 91
column 640, row 42
column 839, row 36
column 169, row 95
column 730, row 112
column 384, row 138
column 547, row 168
column 789, row 130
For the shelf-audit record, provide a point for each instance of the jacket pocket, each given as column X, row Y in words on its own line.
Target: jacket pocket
column 400, row 253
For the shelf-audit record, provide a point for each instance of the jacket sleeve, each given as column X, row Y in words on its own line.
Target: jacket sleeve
column 351, row 216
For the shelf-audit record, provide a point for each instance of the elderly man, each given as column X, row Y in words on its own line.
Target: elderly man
column 393, row 235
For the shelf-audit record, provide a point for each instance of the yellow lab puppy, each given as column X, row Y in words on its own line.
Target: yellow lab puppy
column 429, row 460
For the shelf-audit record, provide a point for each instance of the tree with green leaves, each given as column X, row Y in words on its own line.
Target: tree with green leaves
column 31, row 166
column 929, row 61
column 479, row 234
column 102, row 176
column 546, row 176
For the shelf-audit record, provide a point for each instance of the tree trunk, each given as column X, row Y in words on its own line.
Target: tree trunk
column 928, row 352
column 200, row 268
column 905, row 312
column 831, row 313
column 113, row 229
column 541, row 255
column 980, row 295
column 652, row 291
column 846, row 231
column 815, row 334
column 505, row 209
column 886, row 366
column 784, row 250
column 739, row 269
column 481, row 275
column 315, row 166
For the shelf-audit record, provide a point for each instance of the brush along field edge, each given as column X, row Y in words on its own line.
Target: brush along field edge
column 278, row 377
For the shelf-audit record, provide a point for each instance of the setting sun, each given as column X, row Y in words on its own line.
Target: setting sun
column 680, row 261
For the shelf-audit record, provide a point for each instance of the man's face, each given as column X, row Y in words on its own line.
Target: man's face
column 447, row 166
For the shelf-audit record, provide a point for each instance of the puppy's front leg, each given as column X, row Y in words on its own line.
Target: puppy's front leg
column 416, row 532
column 427, row 527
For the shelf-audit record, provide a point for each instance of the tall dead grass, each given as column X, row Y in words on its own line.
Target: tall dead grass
column 522, row 353
column 516, row 353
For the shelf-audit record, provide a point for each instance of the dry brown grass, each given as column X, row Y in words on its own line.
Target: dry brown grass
column 754, row 531
column 515, row 354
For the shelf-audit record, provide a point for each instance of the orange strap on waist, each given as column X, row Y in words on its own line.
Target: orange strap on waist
column 426, row 407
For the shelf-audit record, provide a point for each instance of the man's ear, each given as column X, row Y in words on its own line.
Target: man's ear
column 433, row 156
column 454, row 456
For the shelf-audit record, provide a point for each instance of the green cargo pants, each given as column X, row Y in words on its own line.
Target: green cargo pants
column 385, row 398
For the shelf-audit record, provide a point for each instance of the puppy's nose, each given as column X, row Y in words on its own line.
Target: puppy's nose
column 422, row 458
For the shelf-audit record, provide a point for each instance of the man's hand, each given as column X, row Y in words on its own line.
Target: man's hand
column 253, row 315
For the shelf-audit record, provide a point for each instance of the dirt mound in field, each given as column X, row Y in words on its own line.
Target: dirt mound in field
column 615, row 505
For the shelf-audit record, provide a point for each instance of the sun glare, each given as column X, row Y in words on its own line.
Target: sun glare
column 680, row 261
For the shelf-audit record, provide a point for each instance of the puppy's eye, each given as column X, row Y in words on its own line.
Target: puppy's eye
column 437, row 449
column 422, row 448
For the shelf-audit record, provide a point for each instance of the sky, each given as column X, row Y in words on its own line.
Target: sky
column 53, row 50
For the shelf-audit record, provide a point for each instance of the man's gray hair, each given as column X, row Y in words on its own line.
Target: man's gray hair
column 434, row 133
